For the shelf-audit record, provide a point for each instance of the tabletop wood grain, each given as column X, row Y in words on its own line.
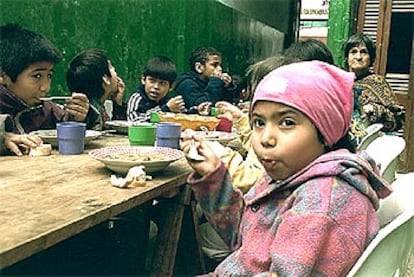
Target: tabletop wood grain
column 45, row 200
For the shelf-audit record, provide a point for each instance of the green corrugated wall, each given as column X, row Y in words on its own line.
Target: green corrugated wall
column 339, row 25
column 131, row 31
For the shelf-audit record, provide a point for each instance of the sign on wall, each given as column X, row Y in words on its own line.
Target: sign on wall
column 314, row 10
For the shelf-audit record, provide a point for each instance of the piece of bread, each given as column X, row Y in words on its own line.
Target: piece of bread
column 136, row 177
column 41, row 150
column 138, row 182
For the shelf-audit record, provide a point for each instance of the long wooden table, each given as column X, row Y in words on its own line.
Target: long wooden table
column 45, row 200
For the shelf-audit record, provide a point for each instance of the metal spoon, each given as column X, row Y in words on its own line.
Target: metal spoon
column 107, row 132
column 55, row 98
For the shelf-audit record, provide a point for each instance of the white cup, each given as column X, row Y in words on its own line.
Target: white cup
column 109, row 107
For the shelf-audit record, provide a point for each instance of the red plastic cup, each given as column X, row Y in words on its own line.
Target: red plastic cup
column 224, row 125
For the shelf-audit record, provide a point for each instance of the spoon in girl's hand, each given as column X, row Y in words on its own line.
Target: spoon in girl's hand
column 193, row 153
column 51, row 98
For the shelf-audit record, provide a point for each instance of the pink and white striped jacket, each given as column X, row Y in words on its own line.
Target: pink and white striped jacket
column 315, row 223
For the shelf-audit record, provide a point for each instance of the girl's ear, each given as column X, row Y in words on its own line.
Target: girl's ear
column 106, row 80
column 143, row 79
column 199, row 67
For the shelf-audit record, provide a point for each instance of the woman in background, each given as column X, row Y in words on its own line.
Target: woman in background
column 374, row 98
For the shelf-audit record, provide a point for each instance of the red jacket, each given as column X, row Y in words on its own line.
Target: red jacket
column 27, row 119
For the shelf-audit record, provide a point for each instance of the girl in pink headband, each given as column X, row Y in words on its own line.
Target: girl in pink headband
column 313, row 211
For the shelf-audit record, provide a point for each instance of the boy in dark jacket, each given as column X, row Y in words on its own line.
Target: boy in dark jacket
column 27, row 61
column 152, row 95
column 91, row 72
column 206, row 82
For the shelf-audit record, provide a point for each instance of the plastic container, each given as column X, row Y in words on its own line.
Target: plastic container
column 71, row 137
column 169, row 135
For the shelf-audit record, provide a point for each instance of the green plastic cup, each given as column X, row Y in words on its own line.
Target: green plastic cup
column 215, row 111
column 154, row 117
column 142, row 134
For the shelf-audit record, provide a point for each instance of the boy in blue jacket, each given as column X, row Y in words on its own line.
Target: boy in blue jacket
column 206, row 82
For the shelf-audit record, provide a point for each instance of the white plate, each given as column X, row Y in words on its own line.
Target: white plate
column 222, row 137
column 122, row 166
column 50, row 136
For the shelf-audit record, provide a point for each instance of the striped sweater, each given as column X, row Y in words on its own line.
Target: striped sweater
column 140, row 107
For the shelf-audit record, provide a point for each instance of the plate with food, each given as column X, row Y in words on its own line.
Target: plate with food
column 121, row 158
column 121, row 126
column 222, row 137
column 50, row 136
column 191, row 121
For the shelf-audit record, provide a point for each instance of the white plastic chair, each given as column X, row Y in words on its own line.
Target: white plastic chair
column 389, row 252
column 385, row 151
column 372, row 132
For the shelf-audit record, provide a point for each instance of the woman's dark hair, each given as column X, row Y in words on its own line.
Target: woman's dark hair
column 359, row 39
column 310, row 50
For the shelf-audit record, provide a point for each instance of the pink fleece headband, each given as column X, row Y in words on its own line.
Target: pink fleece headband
column 321, row 91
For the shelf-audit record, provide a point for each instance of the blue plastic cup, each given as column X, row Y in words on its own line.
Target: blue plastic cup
column 71, row 137
column 169, row 135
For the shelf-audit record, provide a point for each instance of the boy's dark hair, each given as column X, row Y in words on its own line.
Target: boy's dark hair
column 161, row 67
column 356, row 40
column 309, row 50
column 21, row 47
column 85, row 73
column 201, row 54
